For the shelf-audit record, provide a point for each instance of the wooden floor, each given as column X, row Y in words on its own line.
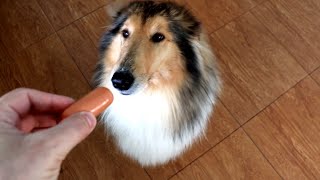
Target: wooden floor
column 266, row 124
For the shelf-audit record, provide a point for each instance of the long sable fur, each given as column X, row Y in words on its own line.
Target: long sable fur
column 199, row 91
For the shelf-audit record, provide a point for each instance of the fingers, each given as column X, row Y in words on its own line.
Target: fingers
column 66, row 135
column 22, row 100
column 31, row 122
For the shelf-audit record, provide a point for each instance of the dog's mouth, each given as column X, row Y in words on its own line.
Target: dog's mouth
column 124, row 81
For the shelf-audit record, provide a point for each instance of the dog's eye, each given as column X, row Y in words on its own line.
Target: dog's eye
column 157, row 37
column 125, row 33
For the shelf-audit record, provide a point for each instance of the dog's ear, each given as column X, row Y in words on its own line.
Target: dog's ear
column 186, row 22
column 192, row 26
column 115, row 6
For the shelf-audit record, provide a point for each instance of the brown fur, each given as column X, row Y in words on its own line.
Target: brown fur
column 160, row 64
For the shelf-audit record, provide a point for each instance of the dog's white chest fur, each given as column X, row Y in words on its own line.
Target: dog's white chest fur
column 140, row 124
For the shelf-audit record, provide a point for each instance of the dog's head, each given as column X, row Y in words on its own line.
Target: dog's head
column 148, row 47
column 156, row 60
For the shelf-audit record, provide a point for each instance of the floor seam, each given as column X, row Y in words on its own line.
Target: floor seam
column 80, row 17
column 264, row 156
column 242, row 126
column 279, row 42
column 204, row 153
column 235, row 18
column 73, row 59
column 313, row 77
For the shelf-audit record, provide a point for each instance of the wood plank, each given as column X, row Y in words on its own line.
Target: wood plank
column 47, row 66
column 215, row 14
column 221, row 125
column 10, row 77
column 64, row 12
column 82, row 40
column 22, row 24
column 234, row 158
column 256, row 69
column 4, row 55
column 81, row 48
column 297, row 25
column 316, row 75
column 288, row 132
column 95, row 24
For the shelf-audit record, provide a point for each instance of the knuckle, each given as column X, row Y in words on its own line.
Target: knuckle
column 19, row 90
column 12, row 93
column 82, row 119
column 81, row 125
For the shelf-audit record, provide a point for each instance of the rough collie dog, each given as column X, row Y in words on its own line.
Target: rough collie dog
column 156, row 60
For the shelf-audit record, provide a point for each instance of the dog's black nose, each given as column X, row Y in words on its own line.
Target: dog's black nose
column 122, row 80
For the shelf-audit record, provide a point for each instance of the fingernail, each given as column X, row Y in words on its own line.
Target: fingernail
column 89, row 118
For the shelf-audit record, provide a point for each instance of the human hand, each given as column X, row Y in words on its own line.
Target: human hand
column 29, row 153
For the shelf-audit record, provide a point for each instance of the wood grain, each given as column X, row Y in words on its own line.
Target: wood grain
column 22, row 24
column 255, row 67
column 288, row 131
column 63, row 12
column 95, row 24
column 221, row 125
column 215, row 14
column 81, row 48
column 82, row 39
column 10, row 77
column 4, row 55
column 48, row 67
column 316, row 75
column 297, row 25
column 234, row 158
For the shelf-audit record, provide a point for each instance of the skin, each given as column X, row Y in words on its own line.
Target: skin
column 29, row 153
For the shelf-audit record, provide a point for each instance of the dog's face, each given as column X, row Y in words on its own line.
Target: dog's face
column 148, row 48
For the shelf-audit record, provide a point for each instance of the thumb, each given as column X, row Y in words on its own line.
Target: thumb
column 70, row 132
